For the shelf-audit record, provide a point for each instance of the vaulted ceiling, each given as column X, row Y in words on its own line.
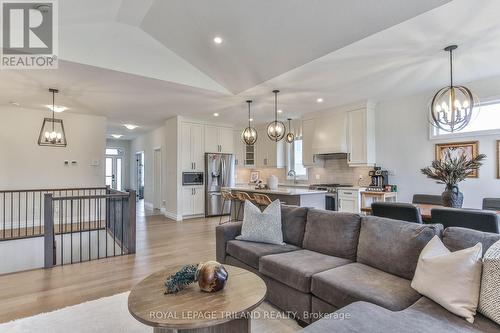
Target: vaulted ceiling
column 144, row 61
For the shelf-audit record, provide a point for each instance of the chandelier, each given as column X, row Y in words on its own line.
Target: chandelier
column 451, row 107
column 52, row 132
column 276, row 129
column 290, row 136
column 249, row 134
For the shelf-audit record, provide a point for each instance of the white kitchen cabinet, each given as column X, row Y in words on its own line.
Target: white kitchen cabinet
column 269, row 154
column 361, row 137
column 193, row 200
column 192, row 147
column 239, row 149
column 330, row 134
column 307, row 141
column 219, row 139
column 348, row 200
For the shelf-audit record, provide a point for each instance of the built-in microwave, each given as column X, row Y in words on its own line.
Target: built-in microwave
column 192, row 178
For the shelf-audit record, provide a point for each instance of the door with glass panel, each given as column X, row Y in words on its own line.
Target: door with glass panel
column 114, row 168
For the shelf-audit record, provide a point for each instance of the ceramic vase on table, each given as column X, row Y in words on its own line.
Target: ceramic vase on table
column 272, row 182
column 452, row 197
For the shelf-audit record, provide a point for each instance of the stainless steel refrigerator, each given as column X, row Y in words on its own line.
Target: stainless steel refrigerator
column 220, row 172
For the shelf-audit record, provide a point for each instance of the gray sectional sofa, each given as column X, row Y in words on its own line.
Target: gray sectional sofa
column 358, row 268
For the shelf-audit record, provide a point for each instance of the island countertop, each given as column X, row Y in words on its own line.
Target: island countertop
column 280, row 191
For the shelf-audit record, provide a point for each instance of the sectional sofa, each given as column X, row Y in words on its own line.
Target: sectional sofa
column 357, row 269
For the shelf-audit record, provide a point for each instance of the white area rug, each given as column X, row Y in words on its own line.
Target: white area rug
column 110, row 315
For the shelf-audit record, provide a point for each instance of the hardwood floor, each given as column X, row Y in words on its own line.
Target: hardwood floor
column 160, row 242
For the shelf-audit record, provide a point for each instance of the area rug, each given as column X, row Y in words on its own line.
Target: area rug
column 110, row 315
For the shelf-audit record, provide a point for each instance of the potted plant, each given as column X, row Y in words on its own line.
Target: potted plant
column 450, row 171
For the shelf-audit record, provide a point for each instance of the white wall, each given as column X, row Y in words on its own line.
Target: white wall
column 404, row 147
column 26, row 165
column 125, row 145
column 147, row 143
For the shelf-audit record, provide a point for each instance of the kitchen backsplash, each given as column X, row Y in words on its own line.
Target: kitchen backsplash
column 334, row 171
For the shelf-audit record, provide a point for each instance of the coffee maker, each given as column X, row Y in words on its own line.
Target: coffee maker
column 380, row 178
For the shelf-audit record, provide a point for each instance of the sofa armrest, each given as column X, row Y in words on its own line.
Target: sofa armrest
column 223, row 234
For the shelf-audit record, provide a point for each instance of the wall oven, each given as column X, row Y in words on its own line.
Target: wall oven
column 192, row 178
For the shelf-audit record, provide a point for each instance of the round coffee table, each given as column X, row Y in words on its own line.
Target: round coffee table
column 192, row 310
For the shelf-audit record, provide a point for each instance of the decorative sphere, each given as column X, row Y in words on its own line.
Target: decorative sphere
column 276, row 130
column 211, row 276
column 290, row 137
column 455, row 115
column 249, row 136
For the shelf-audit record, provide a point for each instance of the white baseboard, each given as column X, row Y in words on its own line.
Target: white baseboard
column 148, row 205
column 172, row 216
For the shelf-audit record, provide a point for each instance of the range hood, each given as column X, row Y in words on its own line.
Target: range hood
column 332, row 156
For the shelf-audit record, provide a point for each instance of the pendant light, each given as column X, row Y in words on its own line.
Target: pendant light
column 276, row 129
column 52, row 132
column 249, row 134
column 451, row 107
column 289, row 137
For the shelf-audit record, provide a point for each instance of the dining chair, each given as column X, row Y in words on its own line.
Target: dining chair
column 427, row 199
column 481, row 220
column 491, row 204
column 397, row 211
column 261, row 200
column 241, row 197
column 227, row 196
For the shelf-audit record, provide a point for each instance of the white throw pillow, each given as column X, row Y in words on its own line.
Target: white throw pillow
column 264, row 227
column 451, row 279
column 489, row 300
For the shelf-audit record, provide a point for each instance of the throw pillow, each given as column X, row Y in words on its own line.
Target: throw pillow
column 451, row 279
column 489, row 300
column 264, row 227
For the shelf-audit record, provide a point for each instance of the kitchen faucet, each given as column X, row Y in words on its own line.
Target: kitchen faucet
column 293, row 174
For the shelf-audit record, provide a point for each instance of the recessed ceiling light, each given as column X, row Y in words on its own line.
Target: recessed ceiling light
column 56, row 108
column 280, row 111
column 251, row 119
column 319, row 100
column 216, row 114
column 14, row 103
column 218, row 40
column 130, row 126
column 116, row 136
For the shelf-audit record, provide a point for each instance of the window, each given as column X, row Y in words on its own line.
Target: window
column 295, row 159
column 485, row 120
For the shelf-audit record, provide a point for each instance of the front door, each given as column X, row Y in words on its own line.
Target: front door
column 114, row 169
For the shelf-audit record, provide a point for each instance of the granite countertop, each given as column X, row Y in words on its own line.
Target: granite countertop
column 280, row 191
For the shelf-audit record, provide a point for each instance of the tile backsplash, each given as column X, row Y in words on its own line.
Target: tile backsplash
column 333, row 171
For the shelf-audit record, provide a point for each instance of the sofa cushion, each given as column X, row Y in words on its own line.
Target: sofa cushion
column 296, row 268
column 358, row 282
column 393, row 246
column 424, row 316
column 456, row 238
column 332, row 233
column 250, row 252
column 293, row 224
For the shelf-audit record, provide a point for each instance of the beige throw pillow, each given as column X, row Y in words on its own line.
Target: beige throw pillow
column 451, row 279
column 489, row 301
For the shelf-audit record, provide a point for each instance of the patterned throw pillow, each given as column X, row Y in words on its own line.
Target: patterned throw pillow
column 489, row 300
column 263, row 227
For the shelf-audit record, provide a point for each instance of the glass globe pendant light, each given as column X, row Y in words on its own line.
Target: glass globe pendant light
column 451, row 107
column 249, row 134
column 289, row 137
column 276, row 129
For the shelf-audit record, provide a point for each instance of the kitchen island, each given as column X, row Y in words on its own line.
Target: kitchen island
column 287, row 195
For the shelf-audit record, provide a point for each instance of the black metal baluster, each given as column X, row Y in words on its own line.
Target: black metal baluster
column 18, row 214
column 11, row 214
column 26, row 214
column 3, row 215
column 61, row 223
column 40, row 217
column 90, row 229
column 71, row 226
column 33, row 213
column 80, row 225
column 122, row 242
column 114, row 228
column 106, row 221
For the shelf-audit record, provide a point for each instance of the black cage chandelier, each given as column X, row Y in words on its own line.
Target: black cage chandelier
column 276, row 129
column 451, row 107
column 52, row 133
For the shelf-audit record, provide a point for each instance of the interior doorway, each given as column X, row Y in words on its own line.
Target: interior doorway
column 114, row 168
column 157, row 182
column 139, row 176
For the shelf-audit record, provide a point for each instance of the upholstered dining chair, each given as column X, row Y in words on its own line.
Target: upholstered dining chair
column 481, row 220
column 428, row 199
column 397, row 211
column 491, row 204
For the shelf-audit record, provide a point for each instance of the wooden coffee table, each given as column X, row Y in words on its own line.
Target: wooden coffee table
column 192, row 310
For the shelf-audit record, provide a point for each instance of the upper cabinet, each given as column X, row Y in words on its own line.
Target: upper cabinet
column 219, row 139
column 192, row 147
column 239, row 149
column 307, row 141
column 267, row 153
column 361, row 137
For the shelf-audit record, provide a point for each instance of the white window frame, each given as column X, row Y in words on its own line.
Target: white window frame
column 290, row 162
column 433, row 130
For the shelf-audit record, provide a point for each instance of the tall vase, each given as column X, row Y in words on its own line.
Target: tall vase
column 452, row 197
